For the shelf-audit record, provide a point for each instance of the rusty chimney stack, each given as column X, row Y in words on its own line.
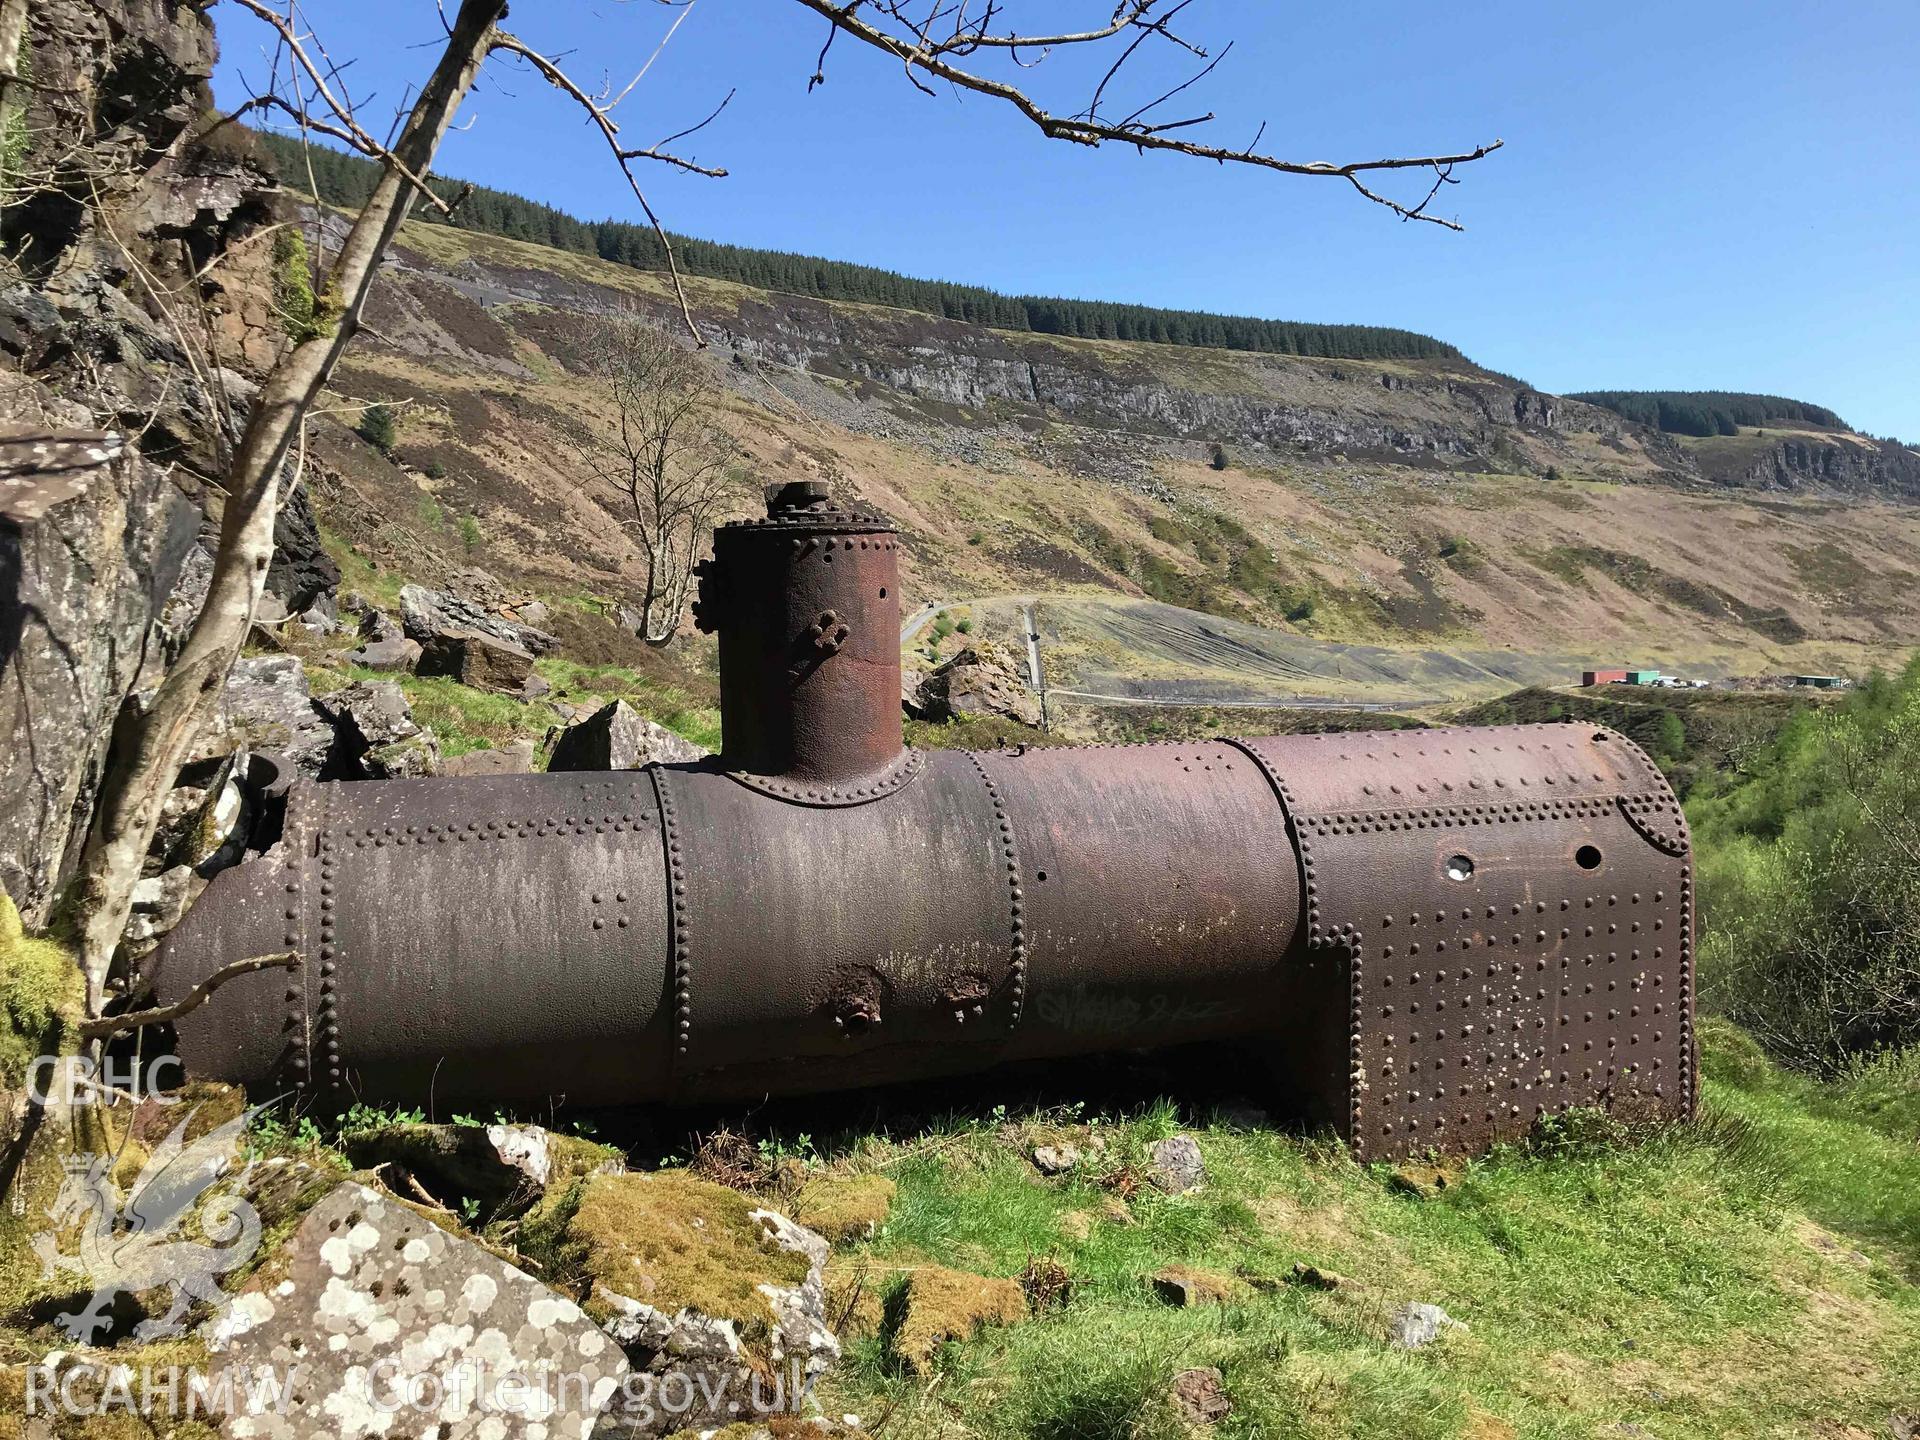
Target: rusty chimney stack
column 807, row 606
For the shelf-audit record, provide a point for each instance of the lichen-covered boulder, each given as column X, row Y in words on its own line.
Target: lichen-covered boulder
column 1175, row 1164
column 266, row 705
column 393, row 1322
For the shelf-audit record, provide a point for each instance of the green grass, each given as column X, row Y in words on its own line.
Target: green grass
column 380, row 587
column 680, row 711
column 1747, row 1275
column 464, row 719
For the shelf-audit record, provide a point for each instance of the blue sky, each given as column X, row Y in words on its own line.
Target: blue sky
column 1693, row 194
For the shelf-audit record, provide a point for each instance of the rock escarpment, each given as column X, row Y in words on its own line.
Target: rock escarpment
column 103, row 564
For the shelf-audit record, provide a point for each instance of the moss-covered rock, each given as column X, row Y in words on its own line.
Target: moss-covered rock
column 1185, row 1286
column 851, row 1207
column 504, row 1169
column 943, row 1305
column 677, row 1243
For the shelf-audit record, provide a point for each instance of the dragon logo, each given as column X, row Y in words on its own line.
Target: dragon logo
column 148, row 1242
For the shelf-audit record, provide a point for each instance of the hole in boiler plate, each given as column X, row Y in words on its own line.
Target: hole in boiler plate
column 1587, row 857
column 1459, row 867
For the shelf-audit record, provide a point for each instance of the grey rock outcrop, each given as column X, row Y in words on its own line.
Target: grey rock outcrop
column 1175, row 1164
column 477, row 659
column 616, row 737
column 85, row 594
column 399, row 653
column 428, row 614
column 266, row 705
column 302, row 573
column 982, row 679
column 98, row 589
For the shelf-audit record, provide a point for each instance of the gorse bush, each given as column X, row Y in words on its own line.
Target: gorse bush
column 1810, row 882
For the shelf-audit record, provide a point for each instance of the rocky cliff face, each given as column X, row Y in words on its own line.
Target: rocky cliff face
column 105, row 293
column 1450, row 413
column 1848, row 463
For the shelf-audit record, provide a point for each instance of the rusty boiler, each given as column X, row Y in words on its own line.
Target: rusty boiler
column 1434, row 937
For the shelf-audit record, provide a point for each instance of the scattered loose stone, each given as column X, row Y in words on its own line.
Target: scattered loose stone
column 426, row 614
column 1199, row 1396
column 617, row 737
column 1315, row 1278
column 1175, row 1164
column 1417, row 1324
column 475, row 659
column 377, row 625
column 394, row 653
column 981, row 679
column 513, row 759
column 1055, row 1159
column 1185, row 1286
column 404, row 759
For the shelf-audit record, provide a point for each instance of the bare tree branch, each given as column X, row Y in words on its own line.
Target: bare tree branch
column 665, row 458
column 916, row 51
column 186, row 1004
column 603, row 121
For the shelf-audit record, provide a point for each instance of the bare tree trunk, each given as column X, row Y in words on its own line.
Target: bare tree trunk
column 150, row 745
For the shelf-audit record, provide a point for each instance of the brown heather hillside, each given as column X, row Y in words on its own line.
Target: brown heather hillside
column 1447, row 516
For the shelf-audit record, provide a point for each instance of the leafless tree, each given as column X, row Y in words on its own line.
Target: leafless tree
column 662, row 455
column 967, row 45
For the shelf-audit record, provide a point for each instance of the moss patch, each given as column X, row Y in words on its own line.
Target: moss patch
column 41, row 997
column 671, row 1241
column 844, row 1207
column 943, row 1305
